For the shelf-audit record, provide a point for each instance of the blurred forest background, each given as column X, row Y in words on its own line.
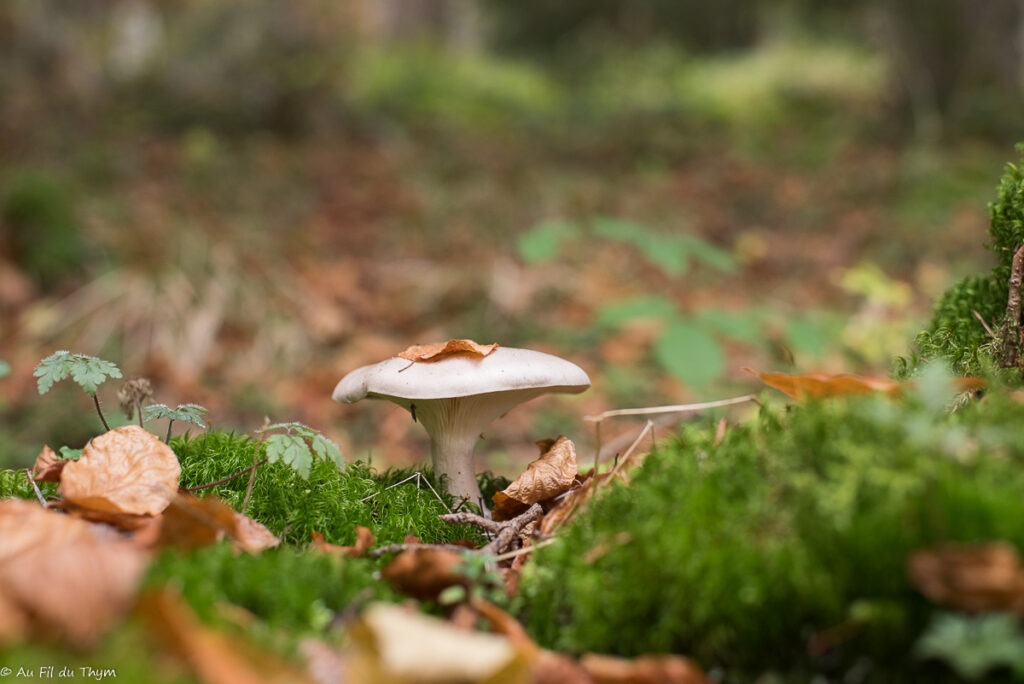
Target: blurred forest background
column 242, row 201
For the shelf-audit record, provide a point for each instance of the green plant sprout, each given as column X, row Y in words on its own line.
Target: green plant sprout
column 88, row 371
column 296, row 444
column 185, row 413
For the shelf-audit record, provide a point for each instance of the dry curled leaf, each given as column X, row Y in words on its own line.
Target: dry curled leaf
column 364, row 542
column 62, row 577
column 127, row 470
column 552, row 474
column 972, row 577
column 822, row 385
column 651, row 669
column 48, row 466
column 436, row 351
column 192, row 522
column 424, row 573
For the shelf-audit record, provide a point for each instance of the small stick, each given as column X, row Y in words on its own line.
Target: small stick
column 32, row 481
column 466, row 518
column 678, row 408
column 222, row 480
column 984, row 324
column 252, row 481
column 525, row 550
column 649, row 427
column 1011, row 325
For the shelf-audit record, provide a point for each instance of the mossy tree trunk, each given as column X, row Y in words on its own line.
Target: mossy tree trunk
column 1011, row 333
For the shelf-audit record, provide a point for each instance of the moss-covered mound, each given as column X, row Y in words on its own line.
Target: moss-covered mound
column 332, row 501
column 955, row 333
column 784, row 547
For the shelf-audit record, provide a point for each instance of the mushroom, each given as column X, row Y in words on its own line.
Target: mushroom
column 456, row 395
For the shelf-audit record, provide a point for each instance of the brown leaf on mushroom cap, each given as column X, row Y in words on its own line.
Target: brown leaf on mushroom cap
column 552, row 474
column 48, row 466
column 973, row 577
column 436, row 351
column 62, row 577
column 127, row 470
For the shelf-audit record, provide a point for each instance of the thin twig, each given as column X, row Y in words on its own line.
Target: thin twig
column 1011, row 324
column 167, row 439
column 505, row 531
column 229, row 478
column 526, row 549
column 649, row 427
column 984, row 324
column 466, row 518
column 138, row 411
column 252, row 481
column 678, row 408
column 99, row 410
column 32, row 481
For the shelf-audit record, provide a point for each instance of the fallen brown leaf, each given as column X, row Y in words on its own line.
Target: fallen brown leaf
column 48, row 466
column 191, row 522
column 127, row 470
column 650, row 669
column 61, row 577
column 552, row 474
column 216, row 657
column 424, row 573
column 971, row 577
column 436, row 351
column 822, row 385
column 364, row 542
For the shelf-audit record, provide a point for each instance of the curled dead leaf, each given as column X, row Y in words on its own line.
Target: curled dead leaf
column 651, row 669
column 61, row 577
column 364, row 542
column 191, row 522
column 972, row 577
column 552, row 474
column 436, row 351
column 822, row 385
column 127, row 470
column 424, row 573
column 48, row 466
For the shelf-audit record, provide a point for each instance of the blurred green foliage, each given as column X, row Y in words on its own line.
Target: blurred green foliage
column 789, row 531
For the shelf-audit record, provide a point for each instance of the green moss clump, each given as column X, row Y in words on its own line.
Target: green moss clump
column 288, row 589
column 332, row 501
column 14, row 483
column 955, row 333
column 792, row 531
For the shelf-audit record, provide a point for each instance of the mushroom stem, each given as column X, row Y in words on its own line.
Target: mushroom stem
column 452, row 455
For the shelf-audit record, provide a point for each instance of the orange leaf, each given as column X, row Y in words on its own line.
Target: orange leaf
column 62, row 577
column 364, row 542
column 821, row 385
column 127, row 470
column 552, row 474
column 48, row 466
column 650, row 669
column 192, row 522
column 973, row 577
column 424, row 573
column 436, row 351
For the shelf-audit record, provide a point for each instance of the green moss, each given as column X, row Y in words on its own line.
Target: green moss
column 332, row 501
column 800, row 525
column 14, row 483
column 955, row 333
column 286, row 588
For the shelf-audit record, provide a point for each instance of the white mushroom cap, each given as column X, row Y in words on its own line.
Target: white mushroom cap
column 457, row 396
column 503, row 370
